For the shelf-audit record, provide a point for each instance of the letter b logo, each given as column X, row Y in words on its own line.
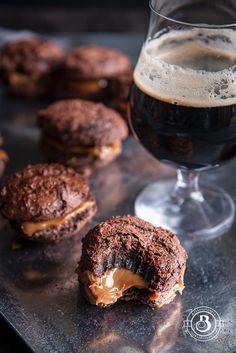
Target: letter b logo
column 203, row 325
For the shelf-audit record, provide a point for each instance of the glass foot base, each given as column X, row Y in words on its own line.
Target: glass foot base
column 204, row 214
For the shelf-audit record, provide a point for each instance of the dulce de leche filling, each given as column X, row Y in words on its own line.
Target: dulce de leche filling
column 30, row 228
column 87, row 86
column 101, row 152
column 108, row 288
column 3, row 155
column 19, row 79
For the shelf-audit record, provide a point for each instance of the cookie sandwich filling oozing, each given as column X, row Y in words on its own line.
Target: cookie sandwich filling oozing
column 30, row 228
column 111, row 286
column 101, row 152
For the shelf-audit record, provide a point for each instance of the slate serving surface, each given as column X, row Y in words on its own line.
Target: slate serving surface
column 38, row 287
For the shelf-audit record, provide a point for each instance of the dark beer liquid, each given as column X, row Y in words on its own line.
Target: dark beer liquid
column 184, row 136
column 178, row 132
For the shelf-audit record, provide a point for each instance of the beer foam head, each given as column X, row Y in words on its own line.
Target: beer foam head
column 193, row 67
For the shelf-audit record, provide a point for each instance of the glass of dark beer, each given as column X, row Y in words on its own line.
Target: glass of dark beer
column 183, row 110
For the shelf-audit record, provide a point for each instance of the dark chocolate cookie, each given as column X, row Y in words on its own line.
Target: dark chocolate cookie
column 82, row 134
column 88, row 68
column 29, row 66
column 48, row 201
column 95, row 62
column 128, row 258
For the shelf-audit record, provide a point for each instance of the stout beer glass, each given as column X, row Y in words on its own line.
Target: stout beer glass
column 183, row 110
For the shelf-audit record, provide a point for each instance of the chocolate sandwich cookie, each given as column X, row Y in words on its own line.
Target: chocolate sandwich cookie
column 88, row 69
column 30, row 66
column 3, row 157
column 119, row 88
column 128, row 258
column 47, row 202
column 82, row 134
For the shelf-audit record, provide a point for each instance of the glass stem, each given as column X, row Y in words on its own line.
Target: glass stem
column 186, row 186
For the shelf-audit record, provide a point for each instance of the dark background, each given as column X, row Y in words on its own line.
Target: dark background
column 75, row 16
column 78, row 3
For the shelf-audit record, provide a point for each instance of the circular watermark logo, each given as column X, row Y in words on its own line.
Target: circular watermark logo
column 203, row 324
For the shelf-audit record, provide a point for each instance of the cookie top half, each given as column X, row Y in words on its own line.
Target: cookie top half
column 30, row 55
column 42, row 192
column 95, row 62
column 79, row 122
column 131, row 243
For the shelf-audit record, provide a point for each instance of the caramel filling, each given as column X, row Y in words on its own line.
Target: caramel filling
column 3, row 155
column 108, row 288
column 19, row 79
column 101, row 152
column 30, row 228
column 87, row 86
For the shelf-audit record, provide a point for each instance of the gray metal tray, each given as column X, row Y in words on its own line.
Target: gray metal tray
column 39, row 293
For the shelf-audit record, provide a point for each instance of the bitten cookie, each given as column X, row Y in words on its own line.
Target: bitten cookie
column 29, row 66
column 47, row 202
column 128, row 258
column 88, row 69
column 82, row 134
column 3, row 158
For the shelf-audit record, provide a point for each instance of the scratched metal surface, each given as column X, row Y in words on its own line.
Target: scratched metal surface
column 39, row 294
